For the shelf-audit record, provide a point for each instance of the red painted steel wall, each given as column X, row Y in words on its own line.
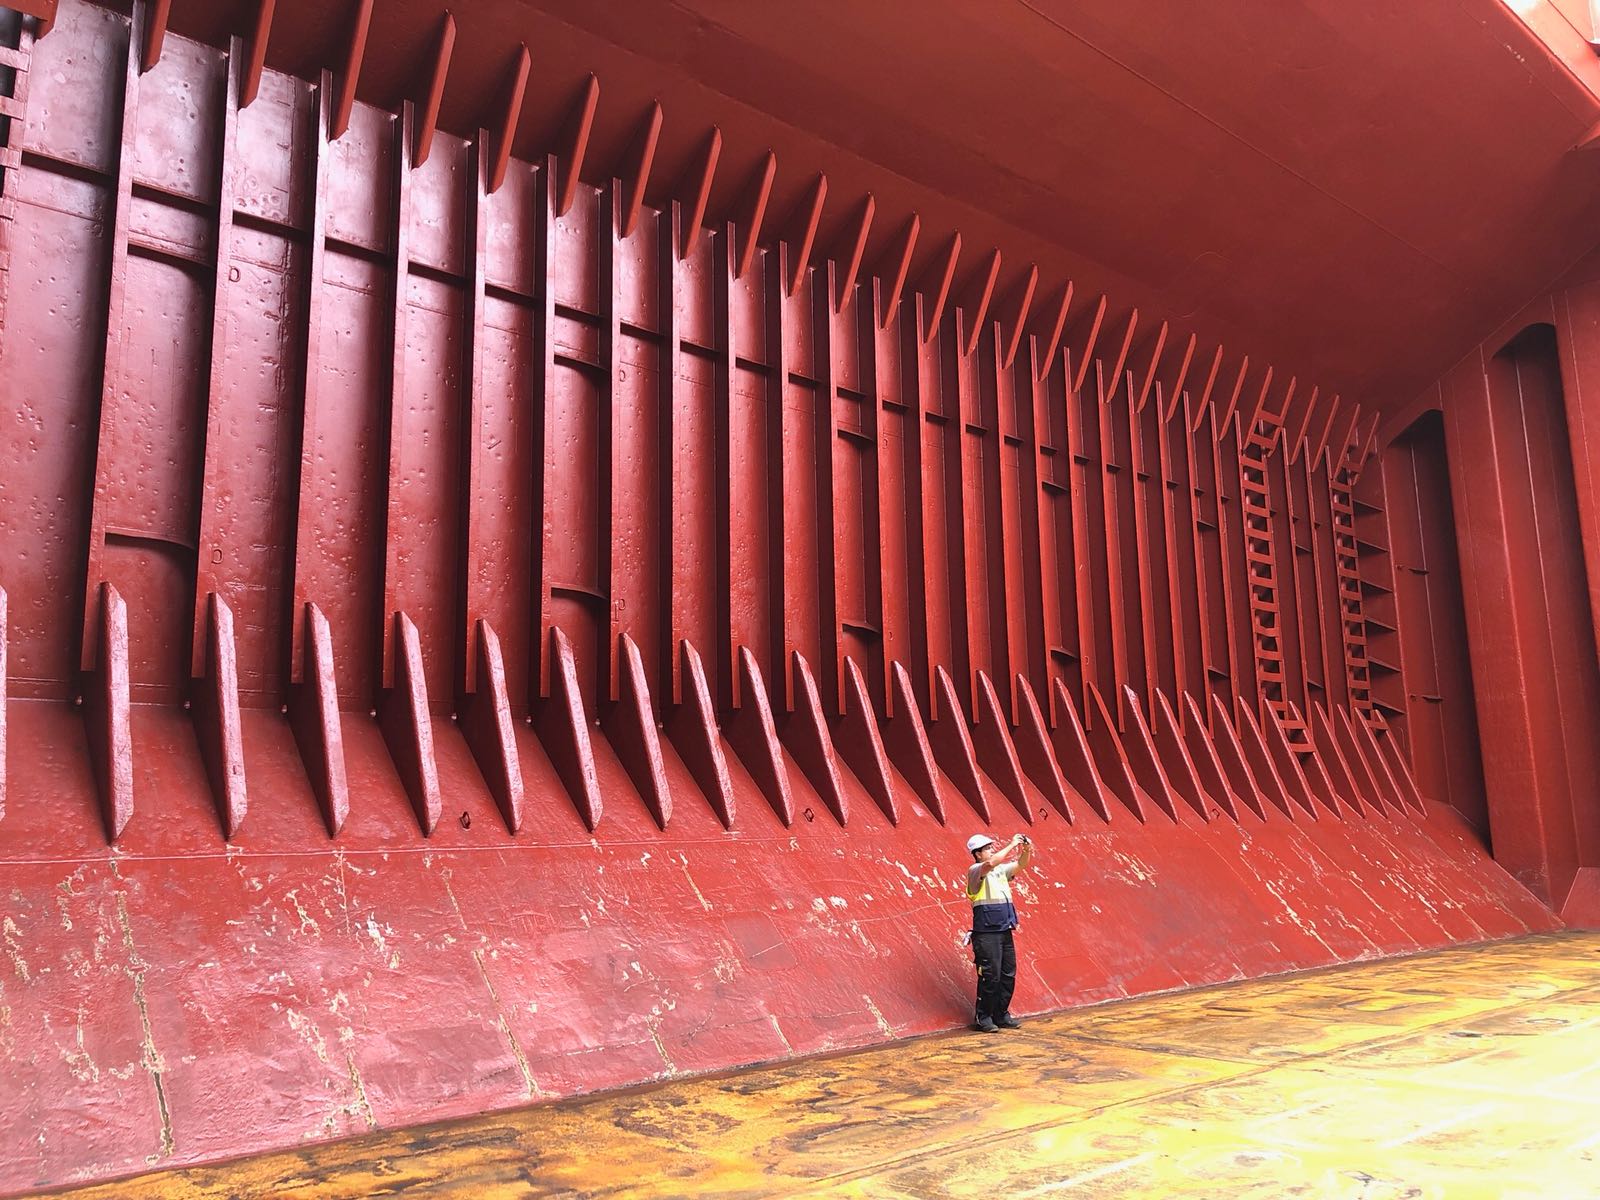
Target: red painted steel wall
column 1419, row 629
column 466, row 644
column 1516, row 429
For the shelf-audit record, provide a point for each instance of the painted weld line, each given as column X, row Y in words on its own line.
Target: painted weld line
column 234, row 854
column 1062, row 1185
column 505, row 1028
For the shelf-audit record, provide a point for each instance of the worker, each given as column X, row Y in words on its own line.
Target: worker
column 993, row 918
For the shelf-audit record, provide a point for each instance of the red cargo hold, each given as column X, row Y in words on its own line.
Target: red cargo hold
column 508, row 593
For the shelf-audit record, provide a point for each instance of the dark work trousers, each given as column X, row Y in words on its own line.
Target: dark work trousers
column 996, row 956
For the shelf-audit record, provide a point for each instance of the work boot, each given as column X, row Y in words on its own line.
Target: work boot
column 985, row 1025
column 1008, row 1022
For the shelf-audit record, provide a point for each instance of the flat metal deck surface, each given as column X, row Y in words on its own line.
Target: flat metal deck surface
column 1465, row 1073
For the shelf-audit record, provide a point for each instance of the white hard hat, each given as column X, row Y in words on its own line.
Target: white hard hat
column 978, row 841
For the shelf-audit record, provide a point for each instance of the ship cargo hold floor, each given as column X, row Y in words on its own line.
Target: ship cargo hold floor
column 1467, row 1072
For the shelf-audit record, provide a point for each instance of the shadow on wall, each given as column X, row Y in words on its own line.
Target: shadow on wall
column 1414, row 584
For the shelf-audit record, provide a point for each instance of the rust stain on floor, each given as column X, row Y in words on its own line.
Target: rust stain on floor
column 1465, row 1073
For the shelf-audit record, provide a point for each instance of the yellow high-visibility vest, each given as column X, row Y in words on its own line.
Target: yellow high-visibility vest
column 994, row 887
column 992, row 909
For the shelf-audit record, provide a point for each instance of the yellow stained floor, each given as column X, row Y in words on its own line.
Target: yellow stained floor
column 1468, row 1073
